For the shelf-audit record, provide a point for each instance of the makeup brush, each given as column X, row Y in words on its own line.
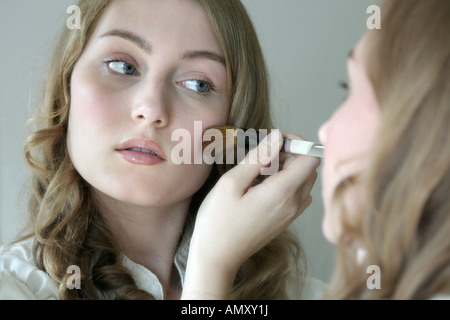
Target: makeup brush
column 230, row 138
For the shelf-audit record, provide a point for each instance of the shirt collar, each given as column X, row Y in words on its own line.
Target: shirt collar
column 147, row 280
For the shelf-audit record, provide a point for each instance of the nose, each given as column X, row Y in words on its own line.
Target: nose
column 150, row 105
column 323, row 132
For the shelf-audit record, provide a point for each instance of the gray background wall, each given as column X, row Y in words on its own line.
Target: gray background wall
column 306, row 43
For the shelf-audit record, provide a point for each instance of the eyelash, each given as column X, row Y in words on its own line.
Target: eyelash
column 344, row 85
column 116, row 59
column 210, row 85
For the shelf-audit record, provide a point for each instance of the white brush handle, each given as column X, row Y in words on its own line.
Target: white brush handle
column 303, row 147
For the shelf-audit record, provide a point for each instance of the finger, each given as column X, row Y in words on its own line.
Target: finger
column 290, row 157
column 282, row 159
column 283, row 156
column 295, row 173
column 305, row 205
column 303, row 194
column 287, row 159
column 301, row 197
column 305, row 189
column 255, row 160
column 293, row 136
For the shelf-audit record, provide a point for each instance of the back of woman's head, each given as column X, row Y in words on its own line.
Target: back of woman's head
column 406, row 218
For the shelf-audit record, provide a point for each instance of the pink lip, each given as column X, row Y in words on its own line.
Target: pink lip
column 141, row 151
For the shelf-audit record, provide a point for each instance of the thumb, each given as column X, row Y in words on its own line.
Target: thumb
column 257, row 161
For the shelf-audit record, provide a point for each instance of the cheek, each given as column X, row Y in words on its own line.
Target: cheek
column 91, row 122
column 349, row 205
column 331, row 228
column 330, row 225
column 187, row 130
column 194, row 123
column 94, row 109
column 91, row 97
column 343, row 135
column 351, row 133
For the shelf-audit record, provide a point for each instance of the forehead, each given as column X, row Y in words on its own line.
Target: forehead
column 183, row 21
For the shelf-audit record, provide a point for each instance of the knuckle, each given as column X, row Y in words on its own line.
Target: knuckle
column 228, row 181
column 252, row 156
column 315, row 163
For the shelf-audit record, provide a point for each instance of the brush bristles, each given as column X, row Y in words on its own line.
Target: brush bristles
column 228, row 136
column 232, row 137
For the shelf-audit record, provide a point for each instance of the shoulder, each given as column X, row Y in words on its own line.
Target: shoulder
column 20, row 279
column 310, row 288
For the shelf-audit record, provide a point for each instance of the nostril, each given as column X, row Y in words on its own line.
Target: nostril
column 150, row 115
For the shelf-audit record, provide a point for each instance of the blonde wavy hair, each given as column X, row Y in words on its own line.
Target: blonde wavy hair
column 405, row 224
column 64, row 219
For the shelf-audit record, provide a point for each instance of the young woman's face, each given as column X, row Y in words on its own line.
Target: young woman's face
column 150, row 67
column 348, row 137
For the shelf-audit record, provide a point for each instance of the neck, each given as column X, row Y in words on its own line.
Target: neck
column 147, row 235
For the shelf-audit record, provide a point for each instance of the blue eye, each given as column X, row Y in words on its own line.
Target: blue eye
column 122, row 67
column 198, row 86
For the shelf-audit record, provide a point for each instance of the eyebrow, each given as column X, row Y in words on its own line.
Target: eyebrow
column 144, row 45
column 138, row 40
column 189, row 55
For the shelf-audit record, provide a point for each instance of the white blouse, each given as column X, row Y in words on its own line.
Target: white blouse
column 20, row 279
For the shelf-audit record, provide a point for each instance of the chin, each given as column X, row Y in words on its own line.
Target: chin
column 330, row 229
